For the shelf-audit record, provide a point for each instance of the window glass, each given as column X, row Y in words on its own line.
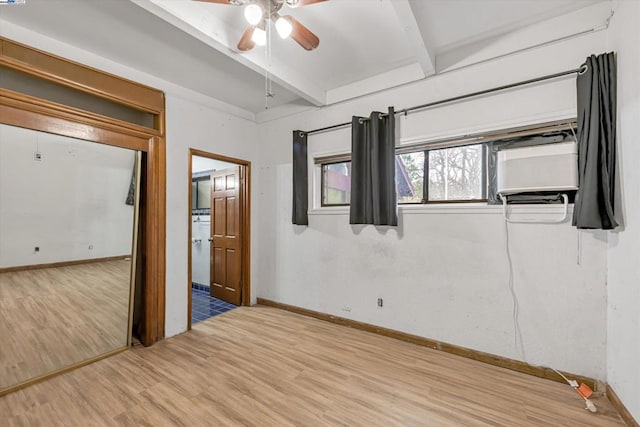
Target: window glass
column 456, row 173
column 204, row 194
column 194, row 194
column 410, row 177
column 336, row 183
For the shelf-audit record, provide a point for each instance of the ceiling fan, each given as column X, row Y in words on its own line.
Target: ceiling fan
column 258, row 13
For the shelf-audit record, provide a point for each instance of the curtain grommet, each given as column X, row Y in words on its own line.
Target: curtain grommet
column 583, row 69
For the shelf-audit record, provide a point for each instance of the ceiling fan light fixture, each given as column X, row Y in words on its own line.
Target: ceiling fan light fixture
column 253, row 14
column 284, row 27
column 259, row 37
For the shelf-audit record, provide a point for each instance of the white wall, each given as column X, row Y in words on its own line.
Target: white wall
column 192, row 125
column 201, row 249
column 70, row 204
column 623, row 279
column 443, row 272
column 192, row 120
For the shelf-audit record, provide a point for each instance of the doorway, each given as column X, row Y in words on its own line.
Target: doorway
column 219, row 234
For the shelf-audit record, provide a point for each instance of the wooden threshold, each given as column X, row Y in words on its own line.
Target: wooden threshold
column 491, row 359
column 619, row 406
column 62, row 264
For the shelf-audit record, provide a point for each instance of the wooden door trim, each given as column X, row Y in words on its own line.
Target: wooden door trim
column 154, row 221
column 245, row 223
column 80, row 77
column 19, row 100
column 38, row 119
column 30, row 112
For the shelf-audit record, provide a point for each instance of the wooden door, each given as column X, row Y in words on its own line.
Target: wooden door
column 226, row 238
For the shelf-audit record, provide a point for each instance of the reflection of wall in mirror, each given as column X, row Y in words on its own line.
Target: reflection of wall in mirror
column 200, row 264
column 70, row 203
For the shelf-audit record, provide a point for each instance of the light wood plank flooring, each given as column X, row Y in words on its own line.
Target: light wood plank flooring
column 266, row 367
column 51, row 318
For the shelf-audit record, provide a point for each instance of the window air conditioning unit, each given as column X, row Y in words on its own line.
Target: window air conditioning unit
column 548, row 167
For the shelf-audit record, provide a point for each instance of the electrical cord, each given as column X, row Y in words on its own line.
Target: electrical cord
column 517, row 336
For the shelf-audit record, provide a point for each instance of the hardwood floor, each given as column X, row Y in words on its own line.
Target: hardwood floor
column 55, row 317
column 266, row 367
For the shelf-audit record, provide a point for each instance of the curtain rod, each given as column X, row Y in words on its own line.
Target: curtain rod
column 405, row 111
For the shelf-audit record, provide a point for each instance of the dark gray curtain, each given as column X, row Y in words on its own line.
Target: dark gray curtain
column 131, row 194
column 594, row 204
column 373, row 188
column 300, row 178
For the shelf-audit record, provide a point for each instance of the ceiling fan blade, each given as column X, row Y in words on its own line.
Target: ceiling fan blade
column 245, row 42
column 303, row 35
column 216, row 1
column 231, row 2
column 300, row 3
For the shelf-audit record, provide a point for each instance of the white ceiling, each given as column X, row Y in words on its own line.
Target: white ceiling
column 450, row 24
column 365, row 45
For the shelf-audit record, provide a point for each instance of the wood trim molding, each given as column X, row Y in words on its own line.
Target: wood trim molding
column 30, row 112
column 245, row 178
column 619, row 406
column 19, row 100
column 80, row 77
column 62, row 264
column 38, row 120
column 153, row 221
column 491, row 359
column 156, row 223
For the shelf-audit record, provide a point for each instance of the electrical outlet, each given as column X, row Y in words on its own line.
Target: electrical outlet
column 37, row 156
column 90, row 247
column 36, row 249
column 380, row 302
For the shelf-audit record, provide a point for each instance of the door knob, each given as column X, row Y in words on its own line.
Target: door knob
column 211, row 239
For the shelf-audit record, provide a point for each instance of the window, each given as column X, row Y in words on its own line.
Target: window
column 455, row 174
column 457, row 169
column 201, row 194
column 336, row 184
column 410, row 177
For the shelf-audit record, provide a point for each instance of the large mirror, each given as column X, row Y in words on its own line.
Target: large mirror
column 68, row 221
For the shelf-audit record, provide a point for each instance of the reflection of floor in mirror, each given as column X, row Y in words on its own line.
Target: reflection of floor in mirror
column 204, row 306
column 53, row 317
column 260, row 366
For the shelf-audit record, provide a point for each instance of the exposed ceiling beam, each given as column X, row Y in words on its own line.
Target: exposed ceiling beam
column 392, row 78
column 424, row 54
column 254, row 60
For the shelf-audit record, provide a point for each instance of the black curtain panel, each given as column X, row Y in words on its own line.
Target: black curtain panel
column 594, row 204
column 300, row 178
column 373, row 189
column 131, row 194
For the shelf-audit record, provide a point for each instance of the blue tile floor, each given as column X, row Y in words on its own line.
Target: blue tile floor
column 204, row 306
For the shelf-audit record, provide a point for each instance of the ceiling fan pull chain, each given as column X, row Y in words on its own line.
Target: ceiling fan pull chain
column 267, row 68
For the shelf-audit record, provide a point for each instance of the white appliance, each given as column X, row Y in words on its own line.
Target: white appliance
column 549, row 167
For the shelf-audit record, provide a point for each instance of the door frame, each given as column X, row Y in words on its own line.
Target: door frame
column 35, row 113
column 245, row 223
